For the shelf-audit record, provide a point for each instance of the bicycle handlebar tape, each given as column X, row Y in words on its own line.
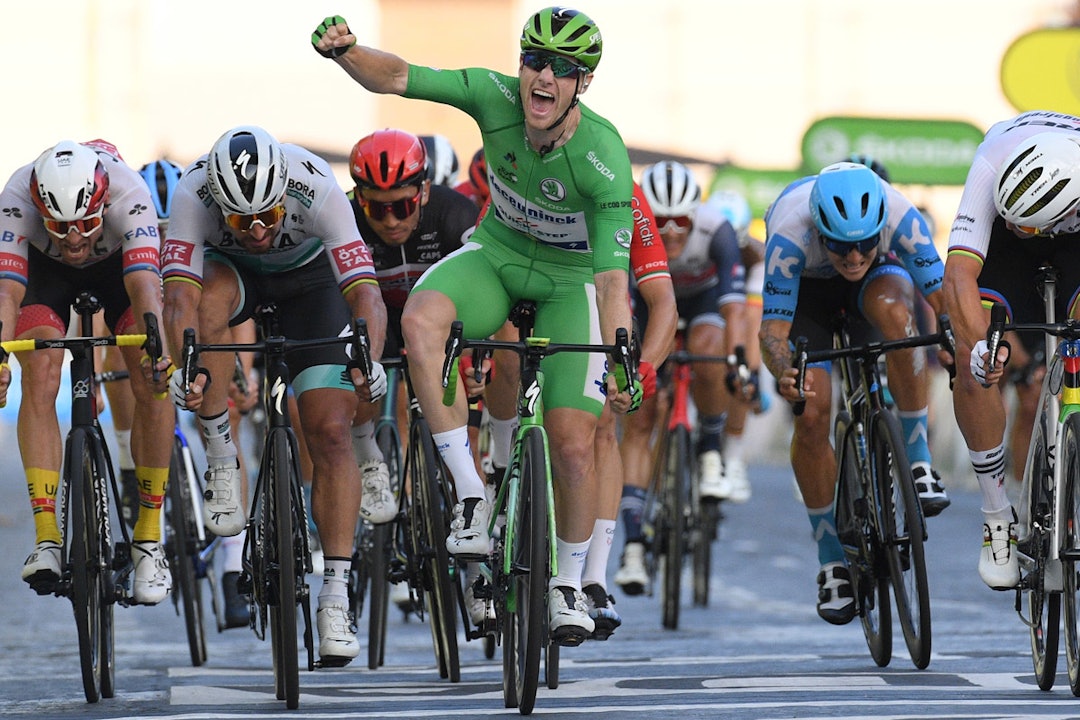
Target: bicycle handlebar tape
column 800, row 365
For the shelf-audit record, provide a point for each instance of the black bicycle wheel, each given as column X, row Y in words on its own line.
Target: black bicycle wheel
column 705, row 522
column 386, row 435
column 85, row 571
column 379, row 607
column 676, row 511
column 551, row 665
column 531, row 569
column 106, row 561
column 430, row 531
column 181, row 547
column 282, row 571
column 903, row 530
column 1043, row 606
column 1069, row 457
column 855, row 526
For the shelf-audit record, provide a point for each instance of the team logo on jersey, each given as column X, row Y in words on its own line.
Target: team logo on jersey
column 310, row 167
column 552, row 189
column 623, row 237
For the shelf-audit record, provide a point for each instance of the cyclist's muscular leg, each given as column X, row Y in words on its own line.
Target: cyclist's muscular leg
column 326, row 415
column 812, row 456
column 707, row 388
column 38, row 431
column 888, row 303
column 571, row 434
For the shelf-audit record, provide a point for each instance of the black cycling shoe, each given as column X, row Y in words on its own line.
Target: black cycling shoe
column 836, row 597
column 604, row 616
column 931, row 492
column 237, row 612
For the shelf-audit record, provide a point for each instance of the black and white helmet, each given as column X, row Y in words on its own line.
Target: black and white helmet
column 246, row 171
column 442, row 161
column 671, row 189
column 1039, row 183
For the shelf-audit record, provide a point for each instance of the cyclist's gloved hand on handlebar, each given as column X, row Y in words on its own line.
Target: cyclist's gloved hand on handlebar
column 623, row 400
column 193, row 399
column 376, row 384
column 326, row 36
column 980, row 355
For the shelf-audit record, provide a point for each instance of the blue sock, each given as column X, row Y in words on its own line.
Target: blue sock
column 631, row 510
column 710, row 428
column 823, row 523
column 913, row 425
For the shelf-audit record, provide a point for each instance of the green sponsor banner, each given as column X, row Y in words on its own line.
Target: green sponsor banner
column 759, row 187
column 916, row 152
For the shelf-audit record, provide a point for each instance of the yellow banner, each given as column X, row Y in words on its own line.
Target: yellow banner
column 1041, row 71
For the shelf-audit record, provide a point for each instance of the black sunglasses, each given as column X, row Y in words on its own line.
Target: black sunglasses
column 844, row 248
column 560, row 67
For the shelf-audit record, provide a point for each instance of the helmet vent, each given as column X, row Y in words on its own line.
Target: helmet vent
column 1046, row 198
column 840, row 207
column 1021, row 188
column 1012, row 166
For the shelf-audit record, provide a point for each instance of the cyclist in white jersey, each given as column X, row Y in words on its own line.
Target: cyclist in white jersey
column 254, row 222
column 710, row 292
column 1018, row 210
column 80, row 219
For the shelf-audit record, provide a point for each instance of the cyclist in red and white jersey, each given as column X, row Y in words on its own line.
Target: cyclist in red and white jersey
column 80, row 219
column 710, row 289
column 1019, row 209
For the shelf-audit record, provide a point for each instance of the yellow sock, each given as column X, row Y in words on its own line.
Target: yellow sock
column 152, row 483
column 42, row 485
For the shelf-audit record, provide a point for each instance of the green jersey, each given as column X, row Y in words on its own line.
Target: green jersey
column 575, row 199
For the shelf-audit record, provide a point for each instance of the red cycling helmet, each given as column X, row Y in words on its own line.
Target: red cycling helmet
column 388, row 159
column 478, row 172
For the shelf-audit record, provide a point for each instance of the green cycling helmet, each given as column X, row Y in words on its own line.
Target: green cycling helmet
column 566, row 32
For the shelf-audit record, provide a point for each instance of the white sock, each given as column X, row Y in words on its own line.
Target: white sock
column 335, row 579
column 990, row 471
column 363, row 441
column 502, row 436
column 603, row 535
column 571, row 558
column 232, row 552
column 218, row 436
column 735, row 447
column 454, row 448
column 123, row 449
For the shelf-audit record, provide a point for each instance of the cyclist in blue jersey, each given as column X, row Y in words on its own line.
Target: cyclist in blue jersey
column 844, row 240
column 558, row 232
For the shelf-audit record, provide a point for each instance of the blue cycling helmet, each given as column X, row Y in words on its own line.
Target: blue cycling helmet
column 847, row 202
column 161, row 176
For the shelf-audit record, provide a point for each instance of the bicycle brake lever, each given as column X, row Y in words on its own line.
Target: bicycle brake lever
column 799, row 363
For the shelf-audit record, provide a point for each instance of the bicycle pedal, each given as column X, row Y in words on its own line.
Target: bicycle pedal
column 481, row 590
column 332, row 661
column 568, row 636
column 43, row 582
column 244, row 584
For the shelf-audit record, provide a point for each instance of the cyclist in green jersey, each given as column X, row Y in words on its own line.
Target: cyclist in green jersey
column 558, row 232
